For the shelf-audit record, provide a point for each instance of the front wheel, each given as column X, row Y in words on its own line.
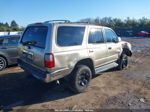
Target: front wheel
column 123, row 62
column 80, row 78
column 3, row 63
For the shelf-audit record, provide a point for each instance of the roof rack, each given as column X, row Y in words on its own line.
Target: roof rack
column 67, row 21
column 59, row 21
column 82, row 22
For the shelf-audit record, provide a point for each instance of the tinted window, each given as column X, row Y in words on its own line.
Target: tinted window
column 12, row 41
column 37, row 34
column 96, row 36
column 110, row 36
column 70, row 36
column 1, row 41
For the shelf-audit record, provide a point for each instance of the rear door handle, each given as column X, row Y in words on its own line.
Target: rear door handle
column 91, row 51
column 3, row 48
column 109, row 48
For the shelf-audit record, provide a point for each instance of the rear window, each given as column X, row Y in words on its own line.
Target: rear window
column 37, row 34
column 70, row 36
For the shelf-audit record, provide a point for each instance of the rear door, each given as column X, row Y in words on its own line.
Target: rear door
column 9, row 48
column 96, row 46
column 1, row 42
column 2, row 49
column 33, row 45
column 113, row 47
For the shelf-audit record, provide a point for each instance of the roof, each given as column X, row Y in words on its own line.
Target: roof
column 8, row 36
column 64, row 22
column 68, row 22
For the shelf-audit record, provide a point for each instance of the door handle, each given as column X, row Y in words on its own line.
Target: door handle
column 3, row 48
column 109, row 48
column 91, row 51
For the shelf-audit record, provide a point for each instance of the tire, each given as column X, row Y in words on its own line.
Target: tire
column 3, row 63
column 123, row 62
column 80, row 78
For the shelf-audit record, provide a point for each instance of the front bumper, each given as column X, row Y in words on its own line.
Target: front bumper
column 42, row 75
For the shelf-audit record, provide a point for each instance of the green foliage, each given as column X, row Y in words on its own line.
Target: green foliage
column 106, row 21
column 118, row 23
column 12, row 27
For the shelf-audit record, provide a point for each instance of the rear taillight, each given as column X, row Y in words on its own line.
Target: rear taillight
column 49, row 61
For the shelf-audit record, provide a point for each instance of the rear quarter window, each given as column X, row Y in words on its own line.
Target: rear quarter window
column 70, row 36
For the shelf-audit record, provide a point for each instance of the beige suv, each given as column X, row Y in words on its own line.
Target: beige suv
column 74, row 51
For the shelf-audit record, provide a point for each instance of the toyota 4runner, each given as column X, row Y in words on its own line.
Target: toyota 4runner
column 75, row 51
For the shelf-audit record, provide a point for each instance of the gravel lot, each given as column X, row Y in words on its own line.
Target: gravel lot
column 127, row 89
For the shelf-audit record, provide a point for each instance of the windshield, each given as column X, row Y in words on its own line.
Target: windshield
column 35, row 36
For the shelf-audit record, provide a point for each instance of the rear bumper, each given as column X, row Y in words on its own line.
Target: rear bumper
column 42, row 75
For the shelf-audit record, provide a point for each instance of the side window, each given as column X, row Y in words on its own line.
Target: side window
column 110, row 36
column 1, row 41
column 11, row 41
column 70, row 36
column 95, row 36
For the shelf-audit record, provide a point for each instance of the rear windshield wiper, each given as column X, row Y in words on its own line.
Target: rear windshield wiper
column 29, row 43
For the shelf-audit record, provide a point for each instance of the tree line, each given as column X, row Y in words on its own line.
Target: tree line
column 12, row 27
column 119, row 23
column 106, row 21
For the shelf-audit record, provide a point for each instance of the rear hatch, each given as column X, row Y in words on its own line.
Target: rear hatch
column 32, row 45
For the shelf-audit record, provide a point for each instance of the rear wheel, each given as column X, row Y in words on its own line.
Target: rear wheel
column 3, row 63
column 123, row 62
column 80, row 78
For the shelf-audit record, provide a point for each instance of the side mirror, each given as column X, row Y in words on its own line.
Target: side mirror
column 116, row 40
column 119, row 39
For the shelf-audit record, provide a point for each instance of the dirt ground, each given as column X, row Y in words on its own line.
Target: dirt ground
column 127, row 89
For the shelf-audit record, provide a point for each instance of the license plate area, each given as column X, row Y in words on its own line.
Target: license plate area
column 28, row 56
